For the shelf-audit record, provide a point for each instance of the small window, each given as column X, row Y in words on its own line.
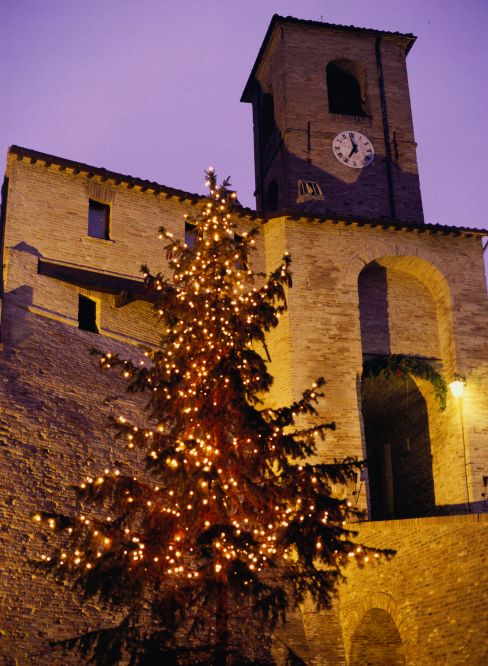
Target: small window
column 87, row 314
column 190, row 235
column 98, row 220
column 308, row 190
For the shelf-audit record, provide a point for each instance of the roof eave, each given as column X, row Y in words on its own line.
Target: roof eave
column 394, row 225
column 79, row 167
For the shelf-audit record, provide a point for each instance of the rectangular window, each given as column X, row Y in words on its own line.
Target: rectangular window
column 190, row 235
column 87, row 314
column 98, row 220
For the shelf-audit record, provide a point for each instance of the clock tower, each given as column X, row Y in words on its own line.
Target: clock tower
column 333, row 132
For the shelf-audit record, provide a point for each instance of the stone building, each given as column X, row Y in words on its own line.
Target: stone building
column 337, row 186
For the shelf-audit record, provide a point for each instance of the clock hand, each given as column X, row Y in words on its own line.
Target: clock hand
column 353, row 144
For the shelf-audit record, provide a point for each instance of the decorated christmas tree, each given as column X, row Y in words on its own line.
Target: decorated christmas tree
column 227, row 524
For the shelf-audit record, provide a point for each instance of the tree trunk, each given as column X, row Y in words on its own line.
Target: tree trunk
column 222, row 625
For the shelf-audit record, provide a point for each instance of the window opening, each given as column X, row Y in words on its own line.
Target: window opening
column 308, row 190
column 87, row 314
column 344, row 88
column 98, row 220
column 190, row 235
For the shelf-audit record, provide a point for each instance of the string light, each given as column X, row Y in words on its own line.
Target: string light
column 214, row 465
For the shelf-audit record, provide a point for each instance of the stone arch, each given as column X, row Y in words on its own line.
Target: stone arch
column 439, row 437
column 354, row 607
column 376, row 641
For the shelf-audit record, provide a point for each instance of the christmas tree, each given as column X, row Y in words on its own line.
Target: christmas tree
column 227, row 523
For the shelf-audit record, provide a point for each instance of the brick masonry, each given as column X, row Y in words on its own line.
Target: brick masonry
column 293, row 70
column 358, row 289
column 54, row 407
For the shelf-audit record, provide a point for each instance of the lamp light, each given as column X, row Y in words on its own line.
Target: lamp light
column 457, row 387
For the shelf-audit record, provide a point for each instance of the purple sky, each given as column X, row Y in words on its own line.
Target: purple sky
column 151, row 88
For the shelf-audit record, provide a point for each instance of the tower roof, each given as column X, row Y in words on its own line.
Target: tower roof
column 290, row 20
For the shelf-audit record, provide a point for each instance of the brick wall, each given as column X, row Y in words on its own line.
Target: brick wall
column 431, row 312
column 54, row 404
column 293, row 69
column 434, row 591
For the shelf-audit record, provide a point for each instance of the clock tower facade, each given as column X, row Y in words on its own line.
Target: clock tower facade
column 333, row 131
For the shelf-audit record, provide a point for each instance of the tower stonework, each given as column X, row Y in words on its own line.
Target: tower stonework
column 368, row 282
column 313, row 82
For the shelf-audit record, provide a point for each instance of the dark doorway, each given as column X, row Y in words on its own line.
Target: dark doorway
column 398, row 450
column 87, row 314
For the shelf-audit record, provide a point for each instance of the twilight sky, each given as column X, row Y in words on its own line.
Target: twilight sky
column 151, row 88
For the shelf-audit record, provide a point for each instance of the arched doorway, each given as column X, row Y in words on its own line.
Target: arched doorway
column 376, row 641
column 402, row 306
column 398, row 448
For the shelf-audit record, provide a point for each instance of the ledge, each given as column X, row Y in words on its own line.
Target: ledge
column 125, row 287
column 425, row 521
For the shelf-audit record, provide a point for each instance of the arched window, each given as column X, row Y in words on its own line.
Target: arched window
column 346, row 84
column 271, row 201
column 268, row 122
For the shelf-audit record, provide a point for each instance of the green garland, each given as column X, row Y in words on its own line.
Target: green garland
column 403, row 366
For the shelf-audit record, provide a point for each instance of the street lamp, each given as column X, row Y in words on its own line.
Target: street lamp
column 457, row 387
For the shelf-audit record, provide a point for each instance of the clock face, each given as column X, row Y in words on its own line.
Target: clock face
column 353, row 149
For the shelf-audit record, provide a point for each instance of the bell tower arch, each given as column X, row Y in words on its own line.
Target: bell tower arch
column 331, row 107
